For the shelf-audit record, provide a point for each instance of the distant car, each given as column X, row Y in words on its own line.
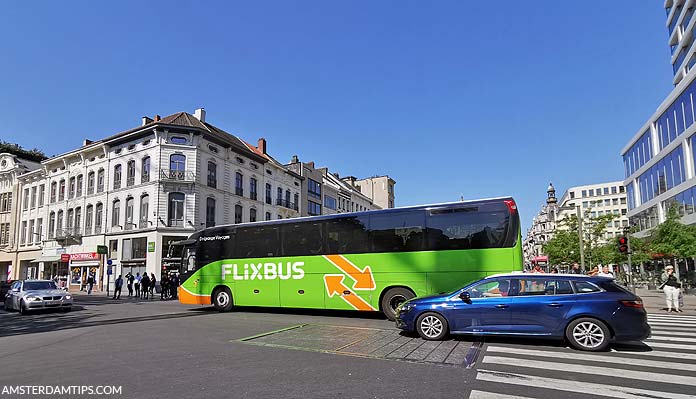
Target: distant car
column 589, row 312
column 26, row 295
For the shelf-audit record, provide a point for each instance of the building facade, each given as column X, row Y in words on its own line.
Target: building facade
column 139, row 190
column 659, row 159
column 542, row 228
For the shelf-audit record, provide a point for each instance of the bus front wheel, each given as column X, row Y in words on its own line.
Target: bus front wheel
column 393, row 298
column 222, row 299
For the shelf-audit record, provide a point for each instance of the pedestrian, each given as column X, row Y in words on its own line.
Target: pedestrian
column 153, row 283
column 117, row 287
column 90, row 283
column 137, row 284
column 174, row 285
column 129, row 283
column 538, row 269
column 605, row 272
column 576, row 269
column 164, row 287
column 144, row 286
column 672, row 288
column 593, row 272
column 554, row 270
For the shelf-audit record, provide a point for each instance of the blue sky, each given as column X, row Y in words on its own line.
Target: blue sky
column 450, row 98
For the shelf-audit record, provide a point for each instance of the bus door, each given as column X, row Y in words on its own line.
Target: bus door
column 302, row 277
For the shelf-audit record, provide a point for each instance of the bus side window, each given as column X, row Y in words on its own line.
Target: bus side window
column 398, row 231
column 466, row 228
column 304, row 238
column 347, row 235
column 257, row 242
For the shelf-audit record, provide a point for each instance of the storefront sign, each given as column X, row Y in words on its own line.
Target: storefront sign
column 102, row 249
column 65, row 257
column 84, row 256
column 151, row 246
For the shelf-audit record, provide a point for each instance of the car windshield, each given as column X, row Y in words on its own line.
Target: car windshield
column 39, row 285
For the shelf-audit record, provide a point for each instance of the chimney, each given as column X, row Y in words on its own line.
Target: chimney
column 146, row 120
column 157, row 118
column 262, row 145
column 295, row 159
column 200, row 114
column 311, row 164
column 86, row 142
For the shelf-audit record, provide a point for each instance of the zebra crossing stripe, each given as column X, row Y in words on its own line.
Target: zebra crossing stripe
column 655, row 344
column 676, row 333
column 586, row 388
column 655, row 337
column 492, row 395
column 670, row 328
column 594, row 358
column 671, row 316
column 662, row 354
column 665, row 324
column 586, row 369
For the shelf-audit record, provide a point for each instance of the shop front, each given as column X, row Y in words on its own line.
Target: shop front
column 51, row 267
column 82, row 266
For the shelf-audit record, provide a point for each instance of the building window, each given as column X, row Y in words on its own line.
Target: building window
column 212, row 174
column 238, row 184
column 279, row 197
column 98, row 216
column 117, row 177
column 130, row 173
column 23, row 236
column 30, row 238
column 313, row 209
column 210, row 212
column 296, row 203
column 78, row 220
column 144, row 206
column 572, row 195
column 129, row 213
column 314, row 188
column 606, row 190
column 71, row 190
column 584, row 193
column 252, row 215
column 287, row 199
column 176, row 209
column 100, row 180
column 80, row 182
column 59, row 223
column 116, row 213
column 252, row 188
column 177, row 166
column 268, row 194
column 51, row 224
column 33, row 197
column 238, row 214
column 26, row 199
column 329, row 202
column 145, row 170
column 54, row 190
column 178, row 140
column 268, row 215
column 89, row 214
column 70, row 222
column 90, row 183
column 613, row 189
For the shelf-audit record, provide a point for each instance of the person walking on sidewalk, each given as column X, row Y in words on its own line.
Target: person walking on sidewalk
column 117, row 287
column 137, row 284
column 129, row 283
column 153, row 282
column 672, row 288
column 90, row 283
column 576, row 269
column 144, row 286
column 164, row 287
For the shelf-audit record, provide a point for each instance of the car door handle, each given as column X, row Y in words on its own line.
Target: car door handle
column 502, row 306
column 554, row 305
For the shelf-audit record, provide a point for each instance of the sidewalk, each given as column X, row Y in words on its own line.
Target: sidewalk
column 654, row 302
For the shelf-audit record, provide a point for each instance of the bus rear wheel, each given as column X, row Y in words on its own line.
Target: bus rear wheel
column 393, row 298
column 222, row 299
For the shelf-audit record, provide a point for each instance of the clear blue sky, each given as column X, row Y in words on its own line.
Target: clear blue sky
column 450, row 98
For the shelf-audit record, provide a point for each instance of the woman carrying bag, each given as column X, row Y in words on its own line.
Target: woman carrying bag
column 672, row 288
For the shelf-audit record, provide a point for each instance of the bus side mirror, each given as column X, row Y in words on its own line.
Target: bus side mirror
column 465, row 296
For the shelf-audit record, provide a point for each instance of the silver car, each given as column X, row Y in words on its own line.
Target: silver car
column 25, row 295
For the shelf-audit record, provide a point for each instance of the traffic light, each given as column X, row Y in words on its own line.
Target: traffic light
column 623, row 244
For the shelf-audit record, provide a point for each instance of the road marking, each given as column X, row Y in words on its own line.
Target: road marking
column 597, row 357
column 592, row 370
column 670, row 338
column 675, row 324
column 493, row 395
column 662, row 354
column 670, row 346
column 676, row 333
column 671, row 317
column 586, row 388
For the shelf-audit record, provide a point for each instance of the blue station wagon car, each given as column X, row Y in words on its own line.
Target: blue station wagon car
column 589, row 312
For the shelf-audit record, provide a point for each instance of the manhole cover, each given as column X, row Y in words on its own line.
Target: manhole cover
column 369, row 342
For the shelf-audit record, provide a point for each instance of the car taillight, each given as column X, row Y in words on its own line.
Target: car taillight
column 512, row 207
column 633, row 304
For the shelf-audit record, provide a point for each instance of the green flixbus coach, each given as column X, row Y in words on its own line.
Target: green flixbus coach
column 369, row 261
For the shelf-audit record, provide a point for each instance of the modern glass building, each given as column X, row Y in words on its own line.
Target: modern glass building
column 659, row 158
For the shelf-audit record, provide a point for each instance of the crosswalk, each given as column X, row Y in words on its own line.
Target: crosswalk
column 663, row 367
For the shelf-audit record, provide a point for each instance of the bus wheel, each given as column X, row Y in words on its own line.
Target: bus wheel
column 222, row 299
column 393, row 298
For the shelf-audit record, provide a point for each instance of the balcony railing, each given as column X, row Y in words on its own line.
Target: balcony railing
column 97, row 229
column 143, row 224
column 130, row 181
column 68, row 232
column 253, row 195
column 117, row 184
column 145, row 177
column 239, row 191
column 269, row 200
column 88, row 230
column 178, row 175
column 286, row 203
column 100, row 188
column 90, row 190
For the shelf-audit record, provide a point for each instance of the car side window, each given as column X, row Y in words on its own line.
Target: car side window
column 536, row 286
column 583, row 287
column 559, row 287
column 490, row 288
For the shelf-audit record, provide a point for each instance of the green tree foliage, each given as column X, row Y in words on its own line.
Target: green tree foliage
column 672, row 238
column 32, row 155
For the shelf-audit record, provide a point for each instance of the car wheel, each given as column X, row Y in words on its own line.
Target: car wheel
column 588, row 334
column 432, row 326
column 66, row 309
column 393, row 298
column 222, row 299
column 7, row 306
column 23, row 308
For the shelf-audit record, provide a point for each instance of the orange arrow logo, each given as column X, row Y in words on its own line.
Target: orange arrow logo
column 363, row 278
column 334, row 286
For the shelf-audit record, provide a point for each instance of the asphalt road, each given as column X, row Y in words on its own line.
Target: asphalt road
column 164, row 349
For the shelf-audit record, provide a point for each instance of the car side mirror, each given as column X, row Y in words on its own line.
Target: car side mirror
column 465, row 296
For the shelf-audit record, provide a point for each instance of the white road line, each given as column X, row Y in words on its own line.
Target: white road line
column 670, row 338
column 493, row 395
column 592, row 370
column 675, row 333
column 672, row 316
column 594, row 358
column 672, row 328
column 587, row 388
column 670, row 346
column 664, row 324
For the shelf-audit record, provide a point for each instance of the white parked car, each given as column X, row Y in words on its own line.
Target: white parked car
column 26, row 295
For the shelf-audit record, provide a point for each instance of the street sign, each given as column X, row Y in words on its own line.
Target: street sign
column 151, row 246
column 109, row 262
column 65, row 257
column 102, row 249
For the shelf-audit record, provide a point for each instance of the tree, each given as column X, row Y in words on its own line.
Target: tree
column 15, row 149
column 672, row 238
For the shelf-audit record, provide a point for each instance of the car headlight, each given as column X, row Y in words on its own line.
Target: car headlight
column 405, row 308
column 67, row 297
column 33, row 298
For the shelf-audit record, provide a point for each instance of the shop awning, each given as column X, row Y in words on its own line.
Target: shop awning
column 46, row 258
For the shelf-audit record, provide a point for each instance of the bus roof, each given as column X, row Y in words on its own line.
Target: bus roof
column 347, row 214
